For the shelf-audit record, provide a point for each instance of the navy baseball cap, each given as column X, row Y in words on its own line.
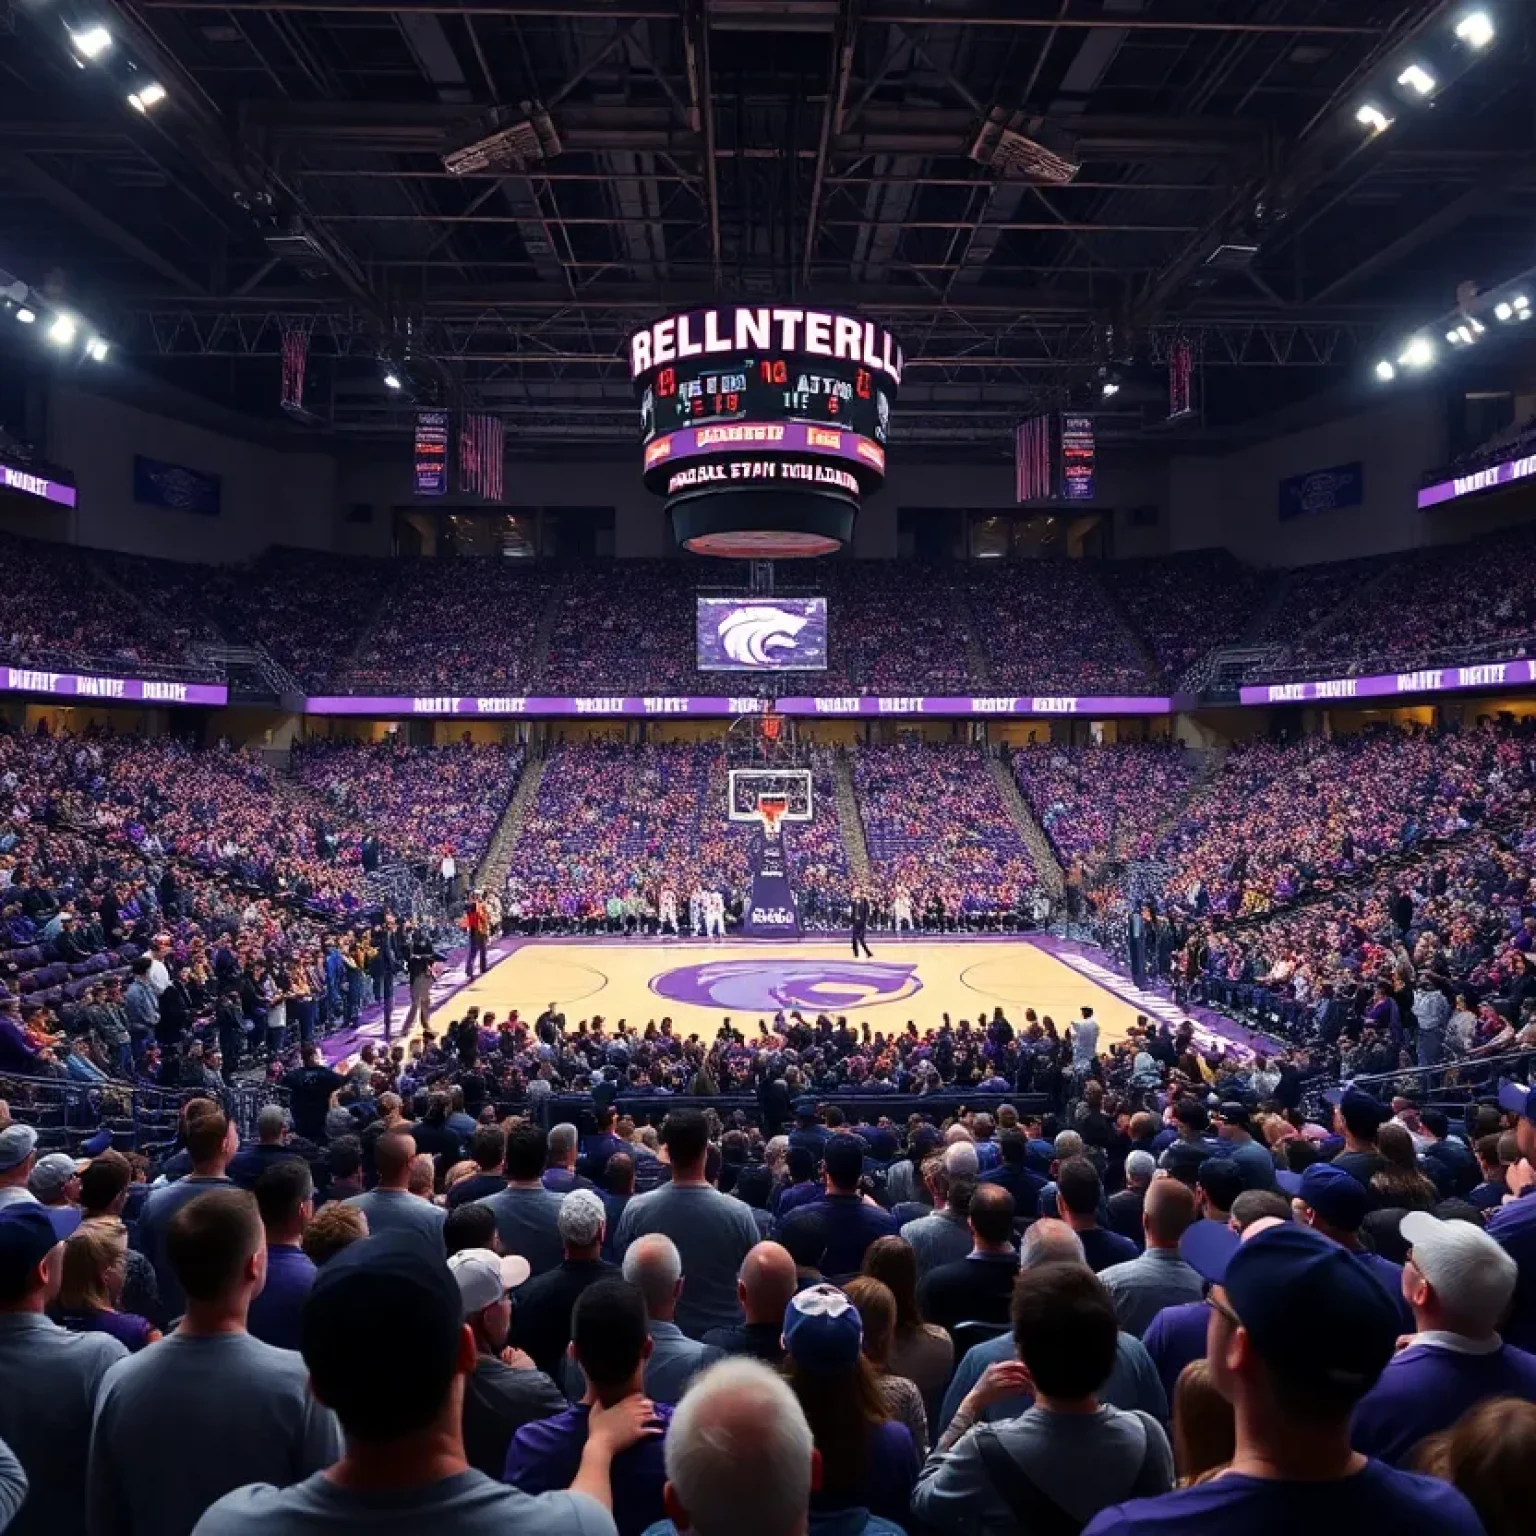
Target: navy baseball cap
column 1207, row 1246
column 1363, row 1107
column 26, row 1239
column 1518, row 1099
column 1315, row 1313
column 1336, row 1195
column 822, row 1329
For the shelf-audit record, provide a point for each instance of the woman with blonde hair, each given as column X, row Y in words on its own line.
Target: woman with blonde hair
column 95, row 1267
column 1204, row 1426
column 904, row 1403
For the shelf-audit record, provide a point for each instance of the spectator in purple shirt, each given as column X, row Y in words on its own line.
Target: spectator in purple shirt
column 1514, row 1223
column 95, row 1268
column 1459, row 1283
column 610, row 1341
column 285, row 1197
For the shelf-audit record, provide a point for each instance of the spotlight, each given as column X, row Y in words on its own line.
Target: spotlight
column 1385, row 371
column 1371, row 116
column 392, row 381
column 146, row 97
column 62, row 331
column 1521, row 302
column 1477, row 325
column 1465, row 334
column 1419, row 353
column 1110, row 387
column 91, row 43
column 1417, row 79
column 1475, row 29
column 1454, row 337
column 1503, row 311
column 26, row 316
column 96, row 349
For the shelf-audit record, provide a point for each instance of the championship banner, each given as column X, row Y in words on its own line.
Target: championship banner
column 431, row 456
column 1077, row 458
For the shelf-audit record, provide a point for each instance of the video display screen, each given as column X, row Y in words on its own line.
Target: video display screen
column 768, row 634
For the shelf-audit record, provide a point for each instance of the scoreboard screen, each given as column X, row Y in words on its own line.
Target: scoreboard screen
column 766, row 388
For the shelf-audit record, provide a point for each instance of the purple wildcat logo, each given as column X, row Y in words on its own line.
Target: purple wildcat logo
column 764, row 986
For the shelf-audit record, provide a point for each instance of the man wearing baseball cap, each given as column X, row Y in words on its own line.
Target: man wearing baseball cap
column 18, row 1155
column 1336, row 1203
column 1299, row 1332
column 55, row 1184
column 1513, row 1224
column 1358, row 1118
column 1252, row 1157
column 1459, row 1283
column 387, row 1349
column 505, row 1390
column 50, row 1377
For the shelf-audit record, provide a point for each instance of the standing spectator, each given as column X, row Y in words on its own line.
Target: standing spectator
column 55, row 1185
column 18, row 1157
column 1068, row 1456
column 488, row 1148
column 401, row 1411
column 505, row 1390
column 266, row 1426
column 610, row 1342
column 764, row 1288
column 653, row 1266
column 1204, row 1429
column 285, row 1201
column 1489, row 1454
column 921, row 1351
column 527, row 1214
column 852, row 1223
column 1159, row 1278
column 1252, row 1157
column 50, row 1377
column 1080, row 1193
column 248, row 1164
column 91, row 1288
column 310, row 1091
column 978, row 1287
column 541, row 1317
column 877, row 1311
column 334, row 1229
column 1358, row 1118
column 944, row 1236
column 1335, row 1203
column 1459, row 1283
column 1299, row 1333
column 713, row 1233
column 1514, row 1223
column 390, row 1206
column 1125, row 1205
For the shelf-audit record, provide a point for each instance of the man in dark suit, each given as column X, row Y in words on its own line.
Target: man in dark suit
column 387, row 955
column 860, row 923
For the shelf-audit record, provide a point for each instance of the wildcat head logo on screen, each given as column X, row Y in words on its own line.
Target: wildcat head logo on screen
column 758, row 636
column 767, row 985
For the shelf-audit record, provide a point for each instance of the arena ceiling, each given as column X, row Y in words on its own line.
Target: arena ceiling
column 863, row 153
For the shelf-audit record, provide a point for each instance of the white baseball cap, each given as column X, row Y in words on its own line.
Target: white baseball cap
column 1469, row 1270
column 485, row 1277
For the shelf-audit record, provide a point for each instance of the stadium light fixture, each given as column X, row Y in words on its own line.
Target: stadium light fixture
column 91, row 42
column 1475, row 29
column 1385, row 371
column 1418, row 80
column 1419, row 353
column 392, row 381
column 1371, row 116
column 62, row 331
column 147, row 97
column 25, row 316
column 1503, row 311
column 97, row 349
column 1454, row 337
column 1110, row 388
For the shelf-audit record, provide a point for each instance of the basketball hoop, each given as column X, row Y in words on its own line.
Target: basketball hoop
column 773, row 725
column 771, row 809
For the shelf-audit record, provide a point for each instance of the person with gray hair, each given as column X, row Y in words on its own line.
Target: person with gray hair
column 1133, row 1382
column 740, row 1457
column 542, row 1306
column 1459, row 1282
column 654, row 1267
column 1125, row 1206
column 272, row 1146
column 560, row 1174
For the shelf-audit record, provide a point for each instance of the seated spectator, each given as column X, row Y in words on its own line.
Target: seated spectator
column 401, row 1410
column 713, row 1232
column 868, row 1460
column 920, row 1351
column 285, row 1200
column 1158, row 1278
column 1489, row 1455
column 333, row 1229
column 1513, row 1225
column 390, row 1206
column 1068, row 1456
column 541, row 1309
column 1299, row 1334
column 505, row 1390
column 246, row 1166
column 91, row 1286
column 877, row 1310
column 527, row 1214
column 51, row 1377
column 1459, row 1283
column 488, row 1149
column 55, row 1184
column 266, row 1426
column 1204, row 1430
column 766, row 1284
column 852, row 1223
column 653, row 1266
column 1125, row 1205
column 1079, row 1194
column 560, row 1170
column 1400, row 1184
column 979, row 1287
column 470, row 1226
column 610, row 1342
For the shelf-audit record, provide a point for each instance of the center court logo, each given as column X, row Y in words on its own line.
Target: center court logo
column 754, row 636
column 767, row 985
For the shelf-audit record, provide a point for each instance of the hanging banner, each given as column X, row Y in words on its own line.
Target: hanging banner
column 1077, row 458
column 1322, row 490
column 432, row 453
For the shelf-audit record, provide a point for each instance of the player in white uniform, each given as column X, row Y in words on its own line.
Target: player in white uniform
column 901, row 909
column 714, row 915
column 667, row 909
column 696, row 912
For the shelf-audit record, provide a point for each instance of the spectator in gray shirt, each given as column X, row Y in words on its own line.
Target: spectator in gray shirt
column 13, row 1486
column 48, row 1378
column 391, row 1207
column 387, row 1348
column 1158, row 1278
column 527, row 1214
column 944, row 1237
column 653, row 1266
column 209, row 1408
column 713, row 1232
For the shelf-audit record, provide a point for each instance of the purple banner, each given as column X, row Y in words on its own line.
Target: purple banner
column 109, row 690
column 1025, row 706
column 764, row 437
column 28, row 484
column 1506, row 473
column 1493, row 674
column 780, row 634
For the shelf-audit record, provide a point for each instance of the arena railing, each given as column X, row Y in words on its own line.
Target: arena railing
column 1515, row 648
column 1451, row 1085
column 47, row 659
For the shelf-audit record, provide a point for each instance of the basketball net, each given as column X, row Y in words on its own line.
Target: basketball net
column 772, row 812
